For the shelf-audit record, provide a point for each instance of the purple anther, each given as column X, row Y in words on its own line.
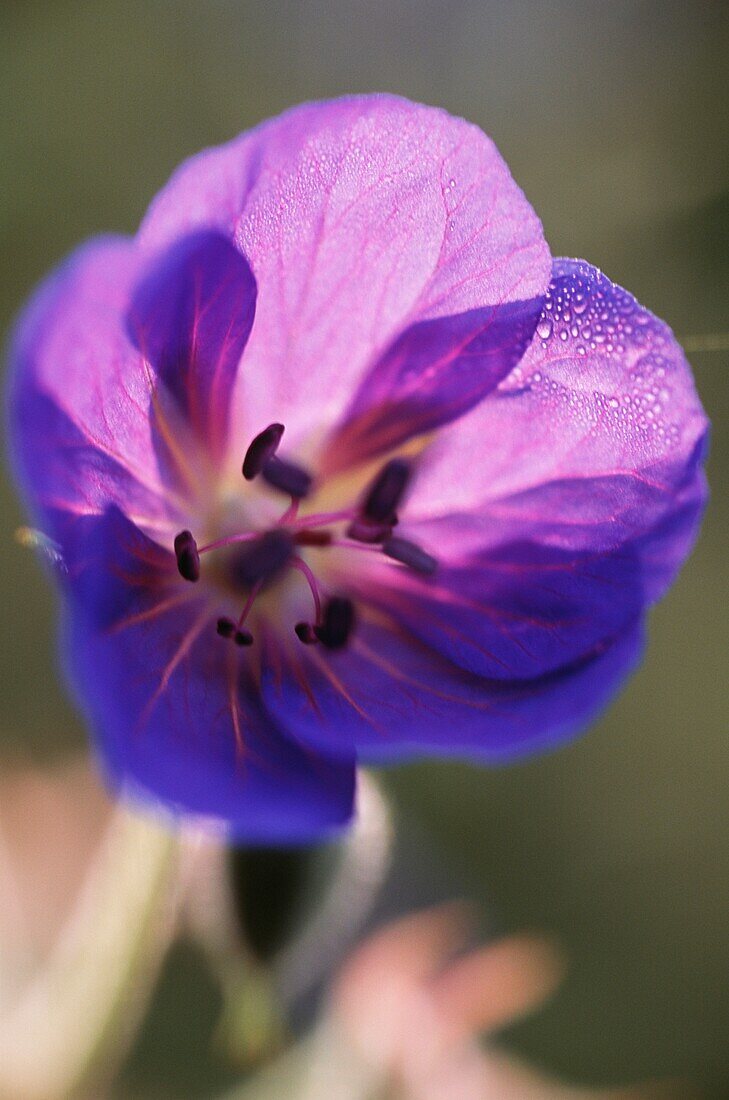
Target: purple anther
column 243, row 637
column 260, row 561
column 261, row 450
column 287, row 477
column 337, row 623
column 305, row 633
column 410, row 554
column 365, row 530
column 188, row 559
column 225, row 628
column 386, row 490
column 308, row 537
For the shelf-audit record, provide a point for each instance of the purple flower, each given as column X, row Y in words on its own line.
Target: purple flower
column 345, row 469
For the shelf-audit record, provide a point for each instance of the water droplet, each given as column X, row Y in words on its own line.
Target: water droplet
column 544, row 329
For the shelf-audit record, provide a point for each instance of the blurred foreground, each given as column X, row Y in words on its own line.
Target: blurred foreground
column 93, row 905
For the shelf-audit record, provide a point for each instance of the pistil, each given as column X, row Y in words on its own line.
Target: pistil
column 263, row 559
column 260, row 558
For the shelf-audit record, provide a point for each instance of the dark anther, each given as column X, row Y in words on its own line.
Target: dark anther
column 225, row 628
column 305, row 633
column 188, row 559
column 287, row 477
column 364, row 530
column 337, row 623
column 262, row 450
column 261, row 560
column 243, row 637
column 307, row 537
column 386, row 491
column 410, row 554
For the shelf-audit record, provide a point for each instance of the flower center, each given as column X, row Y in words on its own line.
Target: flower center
column 256, row 560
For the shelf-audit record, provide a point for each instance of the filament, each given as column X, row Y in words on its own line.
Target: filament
column 303, row 568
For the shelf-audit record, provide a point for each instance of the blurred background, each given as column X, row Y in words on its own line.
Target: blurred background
column 614, row 118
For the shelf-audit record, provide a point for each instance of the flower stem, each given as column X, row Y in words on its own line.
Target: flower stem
column 66, row 1029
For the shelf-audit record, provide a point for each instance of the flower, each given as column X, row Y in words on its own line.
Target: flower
column 410, row 1003
column 343, row 468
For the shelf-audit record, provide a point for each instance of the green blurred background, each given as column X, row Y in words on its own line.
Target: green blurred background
column 614, row 118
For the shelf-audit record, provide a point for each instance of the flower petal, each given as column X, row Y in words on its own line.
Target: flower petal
column 392, row 699
column 79, row 399
column 433, row 373
column 361, row 218
column 594, row 442
column 515, row 610
column 174, row 707
column 191, row 317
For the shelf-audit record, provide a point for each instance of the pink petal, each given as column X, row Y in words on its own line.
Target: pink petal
column 359, row 217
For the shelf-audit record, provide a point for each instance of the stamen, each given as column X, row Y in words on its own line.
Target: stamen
column 318, row 519
column 262, row 450
column 248, row 605
column 188, row 558
column 300, row 564
column 410, row 554
column 337, row 623
column 261, row 560
column 305, row 633
column 229, row 540
column 364, row 530
column 287, row 477
column 386, row 491
column 225, row 628
column 290, row 514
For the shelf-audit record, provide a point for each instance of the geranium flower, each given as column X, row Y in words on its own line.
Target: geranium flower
column 343, row 468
